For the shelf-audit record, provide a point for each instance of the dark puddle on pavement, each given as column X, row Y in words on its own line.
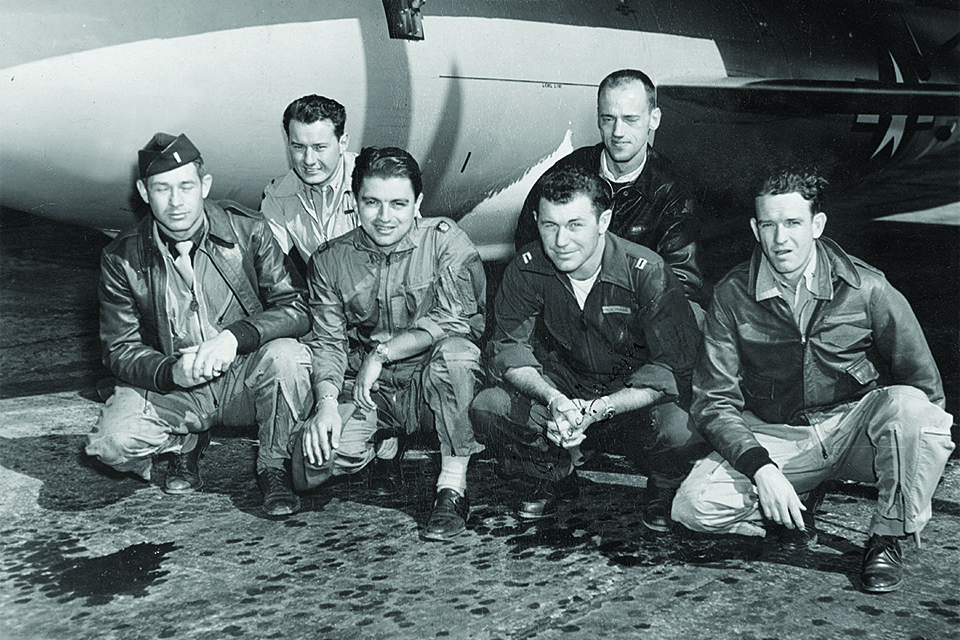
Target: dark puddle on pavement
column 47, row 564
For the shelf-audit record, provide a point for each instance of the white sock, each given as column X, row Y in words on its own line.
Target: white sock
column 453, row 473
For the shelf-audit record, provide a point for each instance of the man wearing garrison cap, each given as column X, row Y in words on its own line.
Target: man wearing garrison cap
column 198, row 322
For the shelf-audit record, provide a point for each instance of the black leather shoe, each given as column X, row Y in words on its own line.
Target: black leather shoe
column 656, row 511
column 183, row 474
column 882, row 565
column 278, row 497
column 797, row 539
column 449, row 516
column 386, row 477
column 542, row 503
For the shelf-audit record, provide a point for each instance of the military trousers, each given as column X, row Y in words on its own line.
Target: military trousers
column 269, row 388
column 893, row 437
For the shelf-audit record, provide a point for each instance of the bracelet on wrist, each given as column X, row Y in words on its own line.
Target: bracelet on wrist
column 552, row 399
column 329, row 396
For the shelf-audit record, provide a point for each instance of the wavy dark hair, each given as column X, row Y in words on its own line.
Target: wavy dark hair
column 313, row 108
column 562, row 184
column 386, row 162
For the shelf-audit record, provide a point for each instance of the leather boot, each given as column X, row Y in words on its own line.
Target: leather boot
column 183, row 474
column 656, row 511
column 278, row 497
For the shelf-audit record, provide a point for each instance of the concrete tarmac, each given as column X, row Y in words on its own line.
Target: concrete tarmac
column 89, row 553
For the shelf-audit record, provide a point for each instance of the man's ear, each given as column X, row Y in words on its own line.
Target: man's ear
column 655, row 116
column 819, row 222
column 604, row 220
column 344, row 142
column 756, row 229
column 142, row 188
column 416, row 205
column 205, row 183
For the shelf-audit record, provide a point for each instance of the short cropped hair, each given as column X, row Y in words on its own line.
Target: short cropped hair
column 562, row 184
column 313, row 108
column 807, row 182
column 625, row 76
column 386, row 162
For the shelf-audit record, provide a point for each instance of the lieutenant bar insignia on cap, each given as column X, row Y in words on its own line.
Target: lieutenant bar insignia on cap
column 164, row 153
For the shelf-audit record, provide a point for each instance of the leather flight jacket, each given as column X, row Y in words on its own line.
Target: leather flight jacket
column 135, row 331
column 655, row 211
column 863, row 335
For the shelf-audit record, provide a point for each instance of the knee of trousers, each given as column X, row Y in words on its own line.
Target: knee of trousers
column 284, row 359
column 909, row 408
column 454, row 359
column 701, row 505
column 489, row 411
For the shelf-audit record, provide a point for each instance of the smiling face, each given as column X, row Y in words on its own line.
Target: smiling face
column 786, row 228
column 571, row 235
column 387, row 208
column 625, row 120
column 315, row 150
column 176, row 199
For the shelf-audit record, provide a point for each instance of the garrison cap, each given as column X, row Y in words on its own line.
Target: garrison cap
column 165, row 152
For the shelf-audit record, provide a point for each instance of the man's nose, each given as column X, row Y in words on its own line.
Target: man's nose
column 617, row 127
column 310, row 156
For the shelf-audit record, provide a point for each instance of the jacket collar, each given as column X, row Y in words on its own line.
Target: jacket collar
column 218, row 230
column 832, row 263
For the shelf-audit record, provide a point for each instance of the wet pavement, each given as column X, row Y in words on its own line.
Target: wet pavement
column 89, row 553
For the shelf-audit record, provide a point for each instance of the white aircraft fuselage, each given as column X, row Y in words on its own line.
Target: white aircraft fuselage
column 492, row 95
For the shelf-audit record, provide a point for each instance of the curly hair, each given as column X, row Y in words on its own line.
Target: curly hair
column 807, row 182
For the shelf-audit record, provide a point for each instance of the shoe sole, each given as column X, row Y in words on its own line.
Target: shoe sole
column 281, row 515
column 656, row 527
column 810, row 544
column 523, row 515
column 894, row 587
column 180, row 492
column 436, row 537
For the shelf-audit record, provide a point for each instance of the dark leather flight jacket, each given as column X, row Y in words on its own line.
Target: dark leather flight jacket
column 754, row 357
column 135, row 331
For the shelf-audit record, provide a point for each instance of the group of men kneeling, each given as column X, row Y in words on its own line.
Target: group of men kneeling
column 807, row 365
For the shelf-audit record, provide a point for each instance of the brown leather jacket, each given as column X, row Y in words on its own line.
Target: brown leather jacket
column 754, row 358
column 134, row 328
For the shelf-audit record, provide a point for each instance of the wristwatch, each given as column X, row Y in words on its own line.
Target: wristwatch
column 381, row 353
column 609, row 411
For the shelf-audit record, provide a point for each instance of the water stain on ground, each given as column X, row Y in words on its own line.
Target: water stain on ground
column 49, row 565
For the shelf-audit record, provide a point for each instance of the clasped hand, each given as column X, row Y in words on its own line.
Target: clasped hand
column 206, row 361
column 567, row 420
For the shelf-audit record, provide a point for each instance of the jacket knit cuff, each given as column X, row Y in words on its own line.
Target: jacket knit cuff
column 164, row 377
column 751, row 460
column 248, row 337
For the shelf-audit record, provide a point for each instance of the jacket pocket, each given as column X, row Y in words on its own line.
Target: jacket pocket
column 863, row 371
column 758, row 387
column 846, row 336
